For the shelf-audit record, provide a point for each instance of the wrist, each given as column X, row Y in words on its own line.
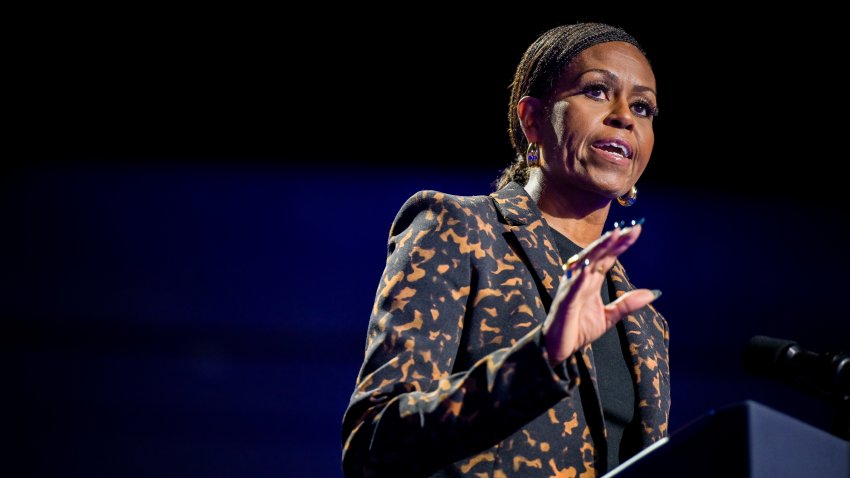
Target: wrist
column 554, row 348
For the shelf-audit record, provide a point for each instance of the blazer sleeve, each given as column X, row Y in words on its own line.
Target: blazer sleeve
column 409, row 416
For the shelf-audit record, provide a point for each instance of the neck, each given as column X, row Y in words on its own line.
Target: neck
column 577, row 214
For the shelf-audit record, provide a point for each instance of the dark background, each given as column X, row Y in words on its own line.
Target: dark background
column 196, row 212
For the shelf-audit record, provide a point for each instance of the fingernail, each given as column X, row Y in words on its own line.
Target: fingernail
column 656, row 293
column 632, row 223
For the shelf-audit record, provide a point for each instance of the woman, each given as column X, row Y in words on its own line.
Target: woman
column 491, row 351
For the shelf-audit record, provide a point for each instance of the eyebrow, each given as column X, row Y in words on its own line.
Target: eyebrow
column 612, row 77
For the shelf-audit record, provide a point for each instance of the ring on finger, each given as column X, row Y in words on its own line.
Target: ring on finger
column 572, row 264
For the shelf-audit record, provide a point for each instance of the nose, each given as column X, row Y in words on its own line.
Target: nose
column 620, row 115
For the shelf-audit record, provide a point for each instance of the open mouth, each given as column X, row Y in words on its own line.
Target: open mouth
column 617, row 148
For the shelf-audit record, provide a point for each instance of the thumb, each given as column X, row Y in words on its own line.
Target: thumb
column 628, row 303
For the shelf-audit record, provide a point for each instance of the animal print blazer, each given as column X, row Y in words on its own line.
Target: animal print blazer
column 456, row 381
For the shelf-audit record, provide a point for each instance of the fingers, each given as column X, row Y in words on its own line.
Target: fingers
column 600, row 255
column 628, row 303
column 590, row 253
column 616, row 244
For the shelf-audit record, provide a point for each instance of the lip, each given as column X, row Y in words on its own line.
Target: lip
column 611, row 156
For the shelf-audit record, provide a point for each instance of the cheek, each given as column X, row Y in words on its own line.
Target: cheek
column 647, row 143
column 559, row 120
column 571, row 119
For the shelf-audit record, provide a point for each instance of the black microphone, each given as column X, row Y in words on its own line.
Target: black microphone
column 827, row 374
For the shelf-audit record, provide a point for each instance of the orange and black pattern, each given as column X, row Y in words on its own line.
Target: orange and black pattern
column 455, row 381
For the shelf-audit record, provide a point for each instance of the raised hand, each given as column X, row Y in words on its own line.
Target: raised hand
column 578, row 316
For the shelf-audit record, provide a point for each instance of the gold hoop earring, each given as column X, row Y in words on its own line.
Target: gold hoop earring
column 628, row 199
column 532, row 155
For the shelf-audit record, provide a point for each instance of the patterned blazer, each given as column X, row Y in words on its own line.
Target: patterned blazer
column 455, row 380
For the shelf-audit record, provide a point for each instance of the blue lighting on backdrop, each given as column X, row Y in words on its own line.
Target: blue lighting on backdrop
column 210, row 320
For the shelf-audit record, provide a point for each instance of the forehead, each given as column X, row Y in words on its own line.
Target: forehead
column 621, row 58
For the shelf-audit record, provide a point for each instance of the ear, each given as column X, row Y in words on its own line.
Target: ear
column 530, row 110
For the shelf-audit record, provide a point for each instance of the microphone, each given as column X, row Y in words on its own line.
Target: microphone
column 827, row 374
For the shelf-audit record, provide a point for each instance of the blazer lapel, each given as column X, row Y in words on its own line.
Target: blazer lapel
column 528, row 232
column 641, row 351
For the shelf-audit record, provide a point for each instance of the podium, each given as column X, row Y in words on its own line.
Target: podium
column 743, row 440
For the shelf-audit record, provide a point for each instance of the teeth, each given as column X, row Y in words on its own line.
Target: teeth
column 624, row 153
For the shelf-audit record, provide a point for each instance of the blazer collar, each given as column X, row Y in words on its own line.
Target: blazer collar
column 531, row 233
column 525, row 220
column 516, row 206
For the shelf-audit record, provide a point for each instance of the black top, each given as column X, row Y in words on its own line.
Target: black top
column 616, row 387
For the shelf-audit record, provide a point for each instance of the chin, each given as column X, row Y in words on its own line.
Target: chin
column 612, row 189
column 611, row 179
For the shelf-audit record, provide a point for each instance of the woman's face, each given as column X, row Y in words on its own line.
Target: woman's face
column 597, row 132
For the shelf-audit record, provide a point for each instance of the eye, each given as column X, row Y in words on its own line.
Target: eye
column 645, row 108
column 597, row 91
